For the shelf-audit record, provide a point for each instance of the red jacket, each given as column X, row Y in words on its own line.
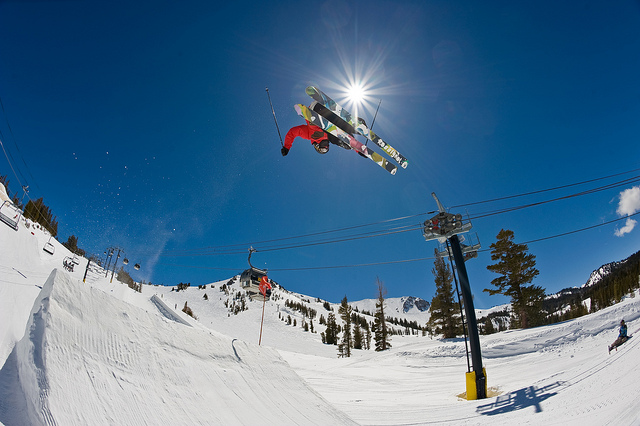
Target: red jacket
column 305, row 131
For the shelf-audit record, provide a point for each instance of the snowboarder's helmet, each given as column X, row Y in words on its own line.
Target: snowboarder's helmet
column 622, row 322
column 322, row 149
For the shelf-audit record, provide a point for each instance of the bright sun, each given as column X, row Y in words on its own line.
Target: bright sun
column 356, row 93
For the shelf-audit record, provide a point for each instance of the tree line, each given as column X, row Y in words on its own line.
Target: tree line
column 516, row 269
column 38, row 212
column 357, row 332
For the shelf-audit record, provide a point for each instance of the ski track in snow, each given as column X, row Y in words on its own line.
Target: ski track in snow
column 98, row 353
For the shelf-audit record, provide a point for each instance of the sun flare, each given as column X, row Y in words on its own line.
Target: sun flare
column 356, row 93
column 357, row 86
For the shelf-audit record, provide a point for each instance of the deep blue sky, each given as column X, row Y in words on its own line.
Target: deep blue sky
column 146, row 125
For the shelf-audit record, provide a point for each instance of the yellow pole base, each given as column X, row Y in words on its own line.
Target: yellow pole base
column 472, row 390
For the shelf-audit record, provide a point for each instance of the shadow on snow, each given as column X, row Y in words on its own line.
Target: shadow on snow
column 523, row 398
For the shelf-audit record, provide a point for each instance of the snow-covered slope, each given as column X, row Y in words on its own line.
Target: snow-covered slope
column 90, row 358
column 100, row 353
column 3, row 194
column 558, row 374
column 218, row 311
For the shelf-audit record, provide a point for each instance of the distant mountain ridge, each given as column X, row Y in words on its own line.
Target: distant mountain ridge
column 606, row 285
column 406, row 306
column 597, row 275
column 410, row 302
column 608, row 270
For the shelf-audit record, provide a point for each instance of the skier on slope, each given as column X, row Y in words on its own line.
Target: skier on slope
column 318, row 137
column 622, row 336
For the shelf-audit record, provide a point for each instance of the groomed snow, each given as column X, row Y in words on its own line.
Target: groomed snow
column 75, row 353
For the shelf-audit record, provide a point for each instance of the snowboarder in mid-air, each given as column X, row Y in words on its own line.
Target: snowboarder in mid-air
column 622, row 337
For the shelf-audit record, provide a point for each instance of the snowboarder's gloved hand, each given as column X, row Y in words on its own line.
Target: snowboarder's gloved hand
column 284, row 151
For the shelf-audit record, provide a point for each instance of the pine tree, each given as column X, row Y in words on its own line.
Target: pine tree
column 488, row 327
column 357, row 336
column 344, row 348
column 331, row 332
column 124, row 277
column 5, row 181
column 367, row 340
column 72, row 245
column 516, row 268
column 187, row 310
column 40, row 213
column 444, row 318
column 382, row 332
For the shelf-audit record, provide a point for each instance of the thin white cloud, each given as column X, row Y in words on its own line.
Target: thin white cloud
column 628, row 227
column 629, row 204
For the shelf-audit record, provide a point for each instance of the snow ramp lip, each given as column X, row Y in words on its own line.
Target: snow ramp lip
column 167, row 312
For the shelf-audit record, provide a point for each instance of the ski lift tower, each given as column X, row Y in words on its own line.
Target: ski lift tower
column 446, row 227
